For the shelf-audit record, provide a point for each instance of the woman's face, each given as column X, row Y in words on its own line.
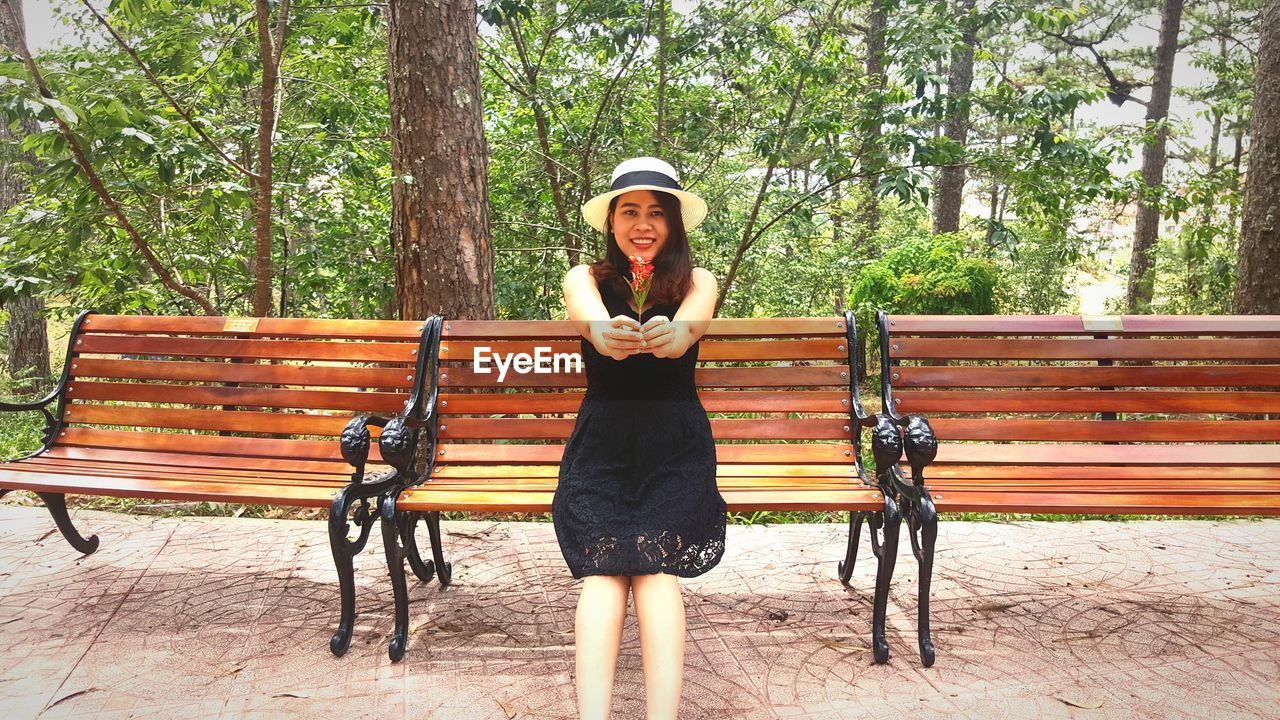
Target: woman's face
column 639, row 224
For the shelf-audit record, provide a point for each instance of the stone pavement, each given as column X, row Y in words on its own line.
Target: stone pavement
column 218, row 617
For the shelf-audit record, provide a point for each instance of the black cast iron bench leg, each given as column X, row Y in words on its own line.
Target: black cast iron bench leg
column 444, row 569
column 424, row 570
column 344, row 552
column 886, row 552
column 57, row 505
column 845, row 568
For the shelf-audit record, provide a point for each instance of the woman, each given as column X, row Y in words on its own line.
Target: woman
column 636, row 506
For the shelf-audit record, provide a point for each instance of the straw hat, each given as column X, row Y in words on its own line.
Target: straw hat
column 645, row 173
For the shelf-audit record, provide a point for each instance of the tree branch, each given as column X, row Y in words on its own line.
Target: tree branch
column 186, row 114
column 166, row 277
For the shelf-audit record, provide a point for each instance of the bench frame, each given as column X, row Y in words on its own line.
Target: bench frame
column 356, row 503
column 883, row 525
column 917, row 503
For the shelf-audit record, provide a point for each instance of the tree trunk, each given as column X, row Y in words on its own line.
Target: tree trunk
column 28, row 346
column 440, row 197
column 1258, row 264
column 659, row 121
column 872, row 154
column 1147, row 228
column 949, row 192
column 270, row 48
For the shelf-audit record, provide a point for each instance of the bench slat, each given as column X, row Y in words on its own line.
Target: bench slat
column 1066, row 454
column 1048, row 401
column 779, row 453
column 1071, row 473
column 462, row 375
column 293, row 495
column 1159, row 503
column 1107, row 430
column 373, row 402
column 210, row 444
column 1088, row 376
column 712, row 400
column 132, row 470
column 560, row 429
column 161, row 346
column 145, row 457
column 738, row 500
column 191, row 419
column 266, row 327
column 274, row 374
column 709, row 350
column 1075, row 325
column 822, row 473
column 719, row 327
column 1084, row 349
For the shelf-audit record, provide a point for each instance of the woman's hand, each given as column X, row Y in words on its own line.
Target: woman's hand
column 661, row 338
column 619, row 338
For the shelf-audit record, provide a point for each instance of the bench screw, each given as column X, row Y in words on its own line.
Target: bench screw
column 846, row 428
column 844, row 375
column 74, row 366
column 844, row 402
column 895, row 346
column 441, row 453
column 413, row 351
column 443, row 428
column 448, row 327
column 893, row 322
column 444, row 403
column 79, row 342
column 840, row 348
column 847, row 453
column 408, row 377
column 444, row 376
column 896, row 376
column 897, row 401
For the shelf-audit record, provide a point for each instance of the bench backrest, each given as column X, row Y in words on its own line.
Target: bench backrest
column 270, row 387
column 778, row 393
column 1161, row 379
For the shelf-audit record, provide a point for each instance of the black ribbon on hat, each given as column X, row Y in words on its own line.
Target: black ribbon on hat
column 645, row 177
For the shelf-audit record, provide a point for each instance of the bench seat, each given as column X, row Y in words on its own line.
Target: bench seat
column 780, row 398
column 1157, row 415
column 242, row 410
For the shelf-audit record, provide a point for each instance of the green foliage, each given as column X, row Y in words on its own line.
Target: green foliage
column 750, row 88
column 936, row 275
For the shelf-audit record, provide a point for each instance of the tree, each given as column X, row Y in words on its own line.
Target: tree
column 1147, row 228
column 440, row 210
column 949, row 190
column 28, row 346
column 1257, row 291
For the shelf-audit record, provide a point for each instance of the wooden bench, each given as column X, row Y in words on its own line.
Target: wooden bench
column 784, row 412
column 232, row 410
column 1088, row 415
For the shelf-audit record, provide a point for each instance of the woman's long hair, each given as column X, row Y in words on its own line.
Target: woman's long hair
column 672, row 268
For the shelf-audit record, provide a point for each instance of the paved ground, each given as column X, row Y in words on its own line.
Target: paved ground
column 231, row 618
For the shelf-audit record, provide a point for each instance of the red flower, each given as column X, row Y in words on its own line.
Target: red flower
column 641, row 281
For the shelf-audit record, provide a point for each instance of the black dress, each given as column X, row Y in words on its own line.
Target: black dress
column 637, row 492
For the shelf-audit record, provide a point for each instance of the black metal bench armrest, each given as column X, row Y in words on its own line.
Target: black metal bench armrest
column 921, row 444
column 27, row 406
column 399, row 440
column 52, row 420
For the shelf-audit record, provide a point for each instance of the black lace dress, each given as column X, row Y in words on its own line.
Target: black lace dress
column 637, row 492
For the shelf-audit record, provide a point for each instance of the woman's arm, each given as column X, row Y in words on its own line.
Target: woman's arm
column 691, row 320
column 617, row 337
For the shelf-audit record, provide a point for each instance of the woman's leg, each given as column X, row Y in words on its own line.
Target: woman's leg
column 660, row 614
column 602, row 607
